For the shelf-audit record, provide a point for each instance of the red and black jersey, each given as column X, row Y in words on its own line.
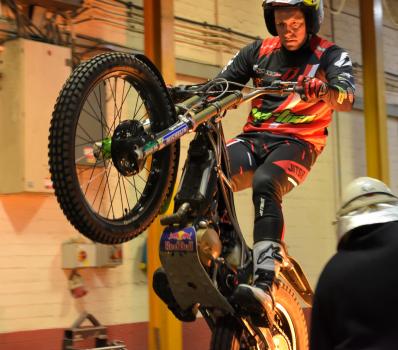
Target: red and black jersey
column 267, row 60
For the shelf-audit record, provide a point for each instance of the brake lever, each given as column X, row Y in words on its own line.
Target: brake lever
column 287, row 87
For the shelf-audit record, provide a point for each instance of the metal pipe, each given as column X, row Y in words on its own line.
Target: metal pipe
column 374, row 98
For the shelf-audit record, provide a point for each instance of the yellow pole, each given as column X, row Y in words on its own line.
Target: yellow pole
column 371, row 14
column 165, row 332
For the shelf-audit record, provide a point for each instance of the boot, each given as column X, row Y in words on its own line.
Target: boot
column 257, row 300
column 162, row 289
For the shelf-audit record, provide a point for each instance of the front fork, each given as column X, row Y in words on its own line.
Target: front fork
column 198, row 185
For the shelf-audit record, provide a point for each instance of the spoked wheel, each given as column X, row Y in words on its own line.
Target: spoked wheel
column 108, row 106
column 289, row 330
column 229, row 335
column 290, row 327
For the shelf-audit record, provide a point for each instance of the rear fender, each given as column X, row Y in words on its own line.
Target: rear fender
column 293, row 273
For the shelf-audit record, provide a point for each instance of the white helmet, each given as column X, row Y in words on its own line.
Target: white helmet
column 365, row 201
column 313, row 12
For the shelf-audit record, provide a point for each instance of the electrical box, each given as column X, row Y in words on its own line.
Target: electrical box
column 79, row 255
column 31, row 76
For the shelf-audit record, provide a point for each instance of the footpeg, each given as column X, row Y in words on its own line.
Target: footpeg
column 177, row 217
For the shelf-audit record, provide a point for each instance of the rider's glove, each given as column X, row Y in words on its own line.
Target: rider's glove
column 312, row 88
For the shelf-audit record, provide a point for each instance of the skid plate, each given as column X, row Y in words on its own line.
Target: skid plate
column 189, row 281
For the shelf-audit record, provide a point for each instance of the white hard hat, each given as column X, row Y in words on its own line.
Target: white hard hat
column 364, row 191
column 365, row 201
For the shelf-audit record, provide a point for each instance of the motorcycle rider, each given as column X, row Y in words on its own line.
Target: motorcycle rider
column 350, row 310
column 283, row 135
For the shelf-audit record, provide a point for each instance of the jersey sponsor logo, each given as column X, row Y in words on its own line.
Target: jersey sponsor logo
column 293, row 169
column 342, row 95
column 287, row 116
column 344, row 61
column 266, row 72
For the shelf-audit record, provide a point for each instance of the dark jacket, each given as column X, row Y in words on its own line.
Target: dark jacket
column 356, row 299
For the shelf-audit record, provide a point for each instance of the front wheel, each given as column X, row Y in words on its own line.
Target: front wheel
column 108, row 101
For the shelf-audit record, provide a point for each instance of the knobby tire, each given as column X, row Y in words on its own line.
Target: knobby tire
column 160, row 177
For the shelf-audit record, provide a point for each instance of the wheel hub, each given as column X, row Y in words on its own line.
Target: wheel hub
column 280, row 342
column 128, row 136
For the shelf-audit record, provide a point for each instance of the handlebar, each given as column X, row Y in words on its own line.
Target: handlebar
column 278, row 87
column 202, row 102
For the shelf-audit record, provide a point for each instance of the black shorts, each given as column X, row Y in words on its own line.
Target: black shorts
column 267, row 152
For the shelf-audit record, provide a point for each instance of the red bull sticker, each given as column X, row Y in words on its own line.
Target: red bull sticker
column 178, row 240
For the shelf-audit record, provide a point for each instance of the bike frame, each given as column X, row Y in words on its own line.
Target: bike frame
column 206, row 118
column 198, row 113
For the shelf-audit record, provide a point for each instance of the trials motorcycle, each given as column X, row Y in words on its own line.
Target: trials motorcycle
column 114, row 148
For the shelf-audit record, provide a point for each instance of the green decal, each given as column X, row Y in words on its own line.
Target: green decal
column 260, row 116
column 307, row 118
column 284, row 117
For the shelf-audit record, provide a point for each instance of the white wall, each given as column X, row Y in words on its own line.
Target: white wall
column 34, row 289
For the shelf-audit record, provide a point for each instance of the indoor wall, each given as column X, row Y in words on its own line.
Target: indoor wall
column 36, row 305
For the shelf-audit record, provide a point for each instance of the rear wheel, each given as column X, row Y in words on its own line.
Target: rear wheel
column 102, row 193
column 289, row 330
column 228, row 335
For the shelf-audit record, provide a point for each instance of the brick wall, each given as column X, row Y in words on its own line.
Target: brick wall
column 34, row 291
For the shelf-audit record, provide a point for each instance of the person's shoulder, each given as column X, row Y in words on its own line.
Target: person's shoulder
column 273, row 41
column 328, row 45
column 328, row 51
column 259, row 47
column 269, row 45
column 321, row 46
column 317, row 40
column 256, row 43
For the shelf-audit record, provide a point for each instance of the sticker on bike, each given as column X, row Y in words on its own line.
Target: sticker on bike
column 178, row 240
